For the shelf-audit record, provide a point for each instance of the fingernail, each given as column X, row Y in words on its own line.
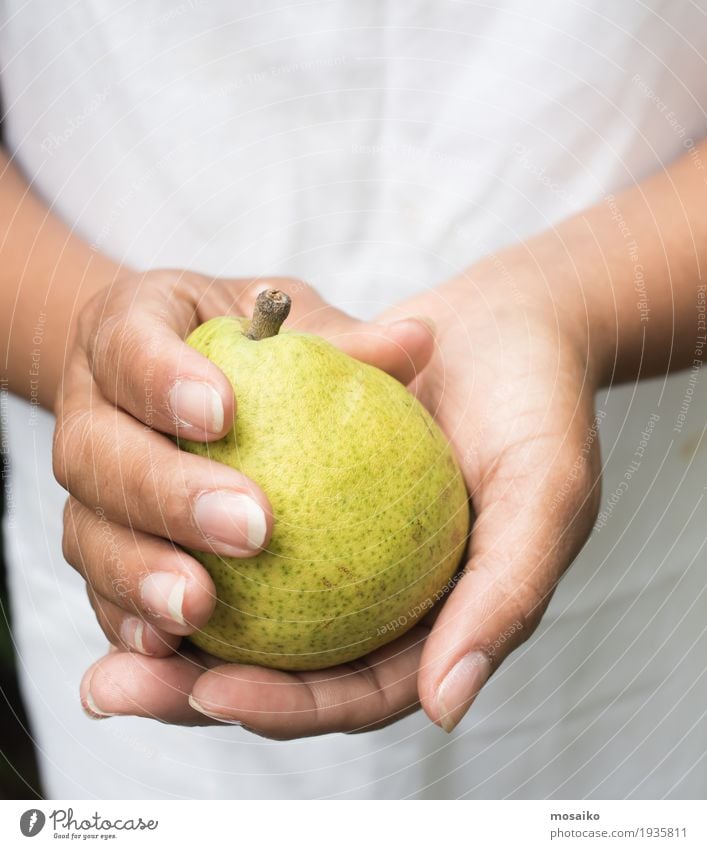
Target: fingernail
column 197, row 404
column 92, row 710
column 131, row 631
column 460, row 687
column 233, row 520
column 201, row 709
column 139, row 636
column 162, row 593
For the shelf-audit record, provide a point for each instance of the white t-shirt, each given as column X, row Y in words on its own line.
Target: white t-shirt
column 374, row 149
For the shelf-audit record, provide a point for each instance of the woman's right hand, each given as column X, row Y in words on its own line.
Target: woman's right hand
column 130, row 383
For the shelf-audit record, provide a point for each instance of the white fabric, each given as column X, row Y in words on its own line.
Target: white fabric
column 375, row 148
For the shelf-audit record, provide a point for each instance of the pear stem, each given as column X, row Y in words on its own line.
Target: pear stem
column 271, row 308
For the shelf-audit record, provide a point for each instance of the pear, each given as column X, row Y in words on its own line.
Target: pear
column 370, row 508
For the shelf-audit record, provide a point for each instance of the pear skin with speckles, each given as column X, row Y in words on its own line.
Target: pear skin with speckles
column 370, row 509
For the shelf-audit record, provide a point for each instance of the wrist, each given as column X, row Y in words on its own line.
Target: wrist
column 535, row 284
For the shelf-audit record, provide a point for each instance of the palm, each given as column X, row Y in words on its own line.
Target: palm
column 514, row 397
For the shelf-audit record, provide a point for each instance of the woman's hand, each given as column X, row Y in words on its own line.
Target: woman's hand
column 130, row 383
column 511, row 385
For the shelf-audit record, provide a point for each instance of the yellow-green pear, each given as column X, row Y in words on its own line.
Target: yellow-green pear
column 370, row 508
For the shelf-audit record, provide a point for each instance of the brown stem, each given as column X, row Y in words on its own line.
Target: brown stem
column 271, row 308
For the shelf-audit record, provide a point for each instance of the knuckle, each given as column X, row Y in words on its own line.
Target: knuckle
column 525, row 608
column 519, row 600
column 102, row 320
column 71, row 432
column 159, row 498
column 106, row 333
column 59, row 462
column 177, row 513
column 126, row 361
column 76, row 540
column 145, row 473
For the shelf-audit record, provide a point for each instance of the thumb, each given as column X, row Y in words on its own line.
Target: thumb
column 401, row 348
column 520, row 547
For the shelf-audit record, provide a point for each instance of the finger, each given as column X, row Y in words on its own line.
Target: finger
column 521, row 544
column 139, row 478
column 401, row 348
column 129, row 684
column 363, row 695
column 134, row 344
column 138, row 573
column 131, row 632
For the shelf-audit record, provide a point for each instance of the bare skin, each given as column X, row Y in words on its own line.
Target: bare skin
column 523, row 341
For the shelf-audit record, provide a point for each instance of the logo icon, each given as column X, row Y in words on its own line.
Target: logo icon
column 32, row 822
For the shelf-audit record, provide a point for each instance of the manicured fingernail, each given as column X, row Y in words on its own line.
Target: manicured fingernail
column 460, row 687
column 201, row 709
column 162, row 593
column 197, row 404
column 233, row 520
column 93, row 711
